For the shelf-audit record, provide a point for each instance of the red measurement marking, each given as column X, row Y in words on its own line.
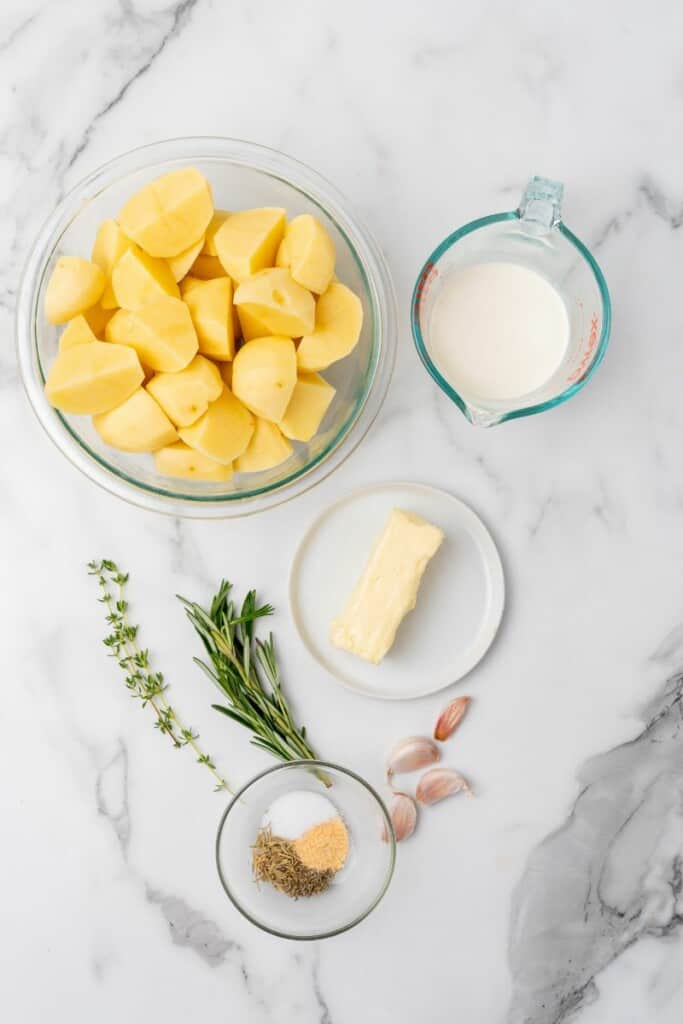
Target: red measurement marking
column 427, row 277
column 587, row 357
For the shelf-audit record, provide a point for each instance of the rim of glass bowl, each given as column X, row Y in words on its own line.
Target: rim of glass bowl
column 364, row 249
column 421, row 347
column 329, row 766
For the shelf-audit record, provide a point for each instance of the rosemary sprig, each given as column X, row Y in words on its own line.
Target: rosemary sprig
column 245, row 671
column 142, row 683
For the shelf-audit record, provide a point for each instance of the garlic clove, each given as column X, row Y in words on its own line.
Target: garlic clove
column 438, row 783
column 451, row 717
column 403, row 814
column 411, row 753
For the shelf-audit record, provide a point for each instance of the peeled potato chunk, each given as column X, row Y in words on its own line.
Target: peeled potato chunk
column 307, row 251
column 266, row 449
column 223, row 432
column 185, row 396
column 264, row 376
column 310, row 401
column 108, row 300
column 207, row 267
column 74, row 286
column 226, row 374
column 97, row 319
column 210, row 306
column 89, row 379
column 136, row 425
column 110, row 245
column 275, row 298
column 248, row 241
column 138, row 279
column 76, row 332
column 251, row 326
column 338, row 322
column 197, row 333
column 161, row 333
column 169, row 214
column 182, row 461
column 209, row 247
column 180, row 264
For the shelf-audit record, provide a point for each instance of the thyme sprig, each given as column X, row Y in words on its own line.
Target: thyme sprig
column 246, row 673
column 142, row 683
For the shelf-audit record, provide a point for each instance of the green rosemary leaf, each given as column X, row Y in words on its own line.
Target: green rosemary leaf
column 245, row 670
column 236, row 716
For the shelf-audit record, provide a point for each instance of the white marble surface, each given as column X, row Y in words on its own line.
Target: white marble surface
column 532, row 903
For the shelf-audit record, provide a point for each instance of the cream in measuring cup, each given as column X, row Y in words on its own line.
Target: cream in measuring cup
column 498, row 331
column 511, row 313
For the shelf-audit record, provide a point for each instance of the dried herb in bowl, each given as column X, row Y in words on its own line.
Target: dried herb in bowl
column 275, row 860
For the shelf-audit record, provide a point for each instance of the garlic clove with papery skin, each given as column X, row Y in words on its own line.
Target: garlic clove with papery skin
column 451, row 717
column 403, row 814
column 438, row 783
column 410, row 754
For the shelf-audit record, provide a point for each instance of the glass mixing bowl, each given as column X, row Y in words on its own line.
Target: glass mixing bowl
column 356, row 889
column 242, row 175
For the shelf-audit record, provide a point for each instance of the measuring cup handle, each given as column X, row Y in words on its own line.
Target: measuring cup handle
column 541, row 204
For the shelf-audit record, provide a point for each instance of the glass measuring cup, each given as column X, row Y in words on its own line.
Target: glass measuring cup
column 534, row 237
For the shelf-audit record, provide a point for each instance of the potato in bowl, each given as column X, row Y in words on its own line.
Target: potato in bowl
column 242, row 176
column 152, row 381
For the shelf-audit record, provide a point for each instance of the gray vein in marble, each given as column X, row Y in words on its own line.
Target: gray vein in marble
column 187, row 557
column 605, row 509
column 498, row 483
column 611, row 875
column 324, row 53
column 376, row 150
column 670, row 647
column 614, row 226
column 99, row 967
column 540, row 517
column 325, row 1015
column 180, row 14
column 447, row 417
column 658, row 202
column 111, row 795
column 7, row 300
column 178, row 545
column 654, row 199
column 188, row 927
column 18, row 31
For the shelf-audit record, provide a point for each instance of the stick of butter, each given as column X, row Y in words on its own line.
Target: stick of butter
column 387, row 590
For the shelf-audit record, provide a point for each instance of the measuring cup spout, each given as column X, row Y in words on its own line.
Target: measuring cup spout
column 483, row 417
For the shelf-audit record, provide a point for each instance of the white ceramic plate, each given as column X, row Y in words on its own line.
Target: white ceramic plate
column 459, row 605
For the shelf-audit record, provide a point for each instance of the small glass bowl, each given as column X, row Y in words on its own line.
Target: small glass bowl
column 242, row 175
column 356, row 889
